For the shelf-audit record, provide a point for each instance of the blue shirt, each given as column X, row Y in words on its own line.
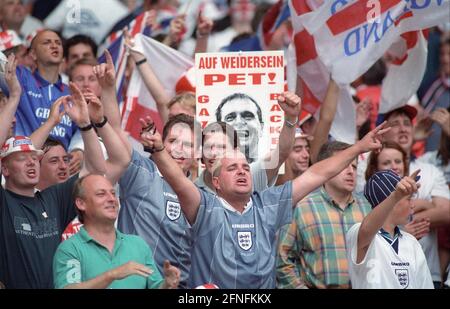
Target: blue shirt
column 150, row 209
column 237, row 250
column 37, row 97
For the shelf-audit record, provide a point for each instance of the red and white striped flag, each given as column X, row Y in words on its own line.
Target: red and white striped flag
column 314, row 76
column 405, row 72
column 350, row 36
column 169, row 65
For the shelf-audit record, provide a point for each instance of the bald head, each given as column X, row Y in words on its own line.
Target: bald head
column 230, row 155
column 95, row 198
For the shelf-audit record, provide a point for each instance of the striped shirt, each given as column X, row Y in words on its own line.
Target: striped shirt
column 313, row 250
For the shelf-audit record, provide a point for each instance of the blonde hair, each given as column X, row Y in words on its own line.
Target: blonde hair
column 185, row 99
column 217, row 166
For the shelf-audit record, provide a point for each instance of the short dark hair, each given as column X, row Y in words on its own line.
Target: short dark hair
column 52, row 142
column 80, row 39
column 234, row 96
column 330, row 148
column 180, row 118
column 224, row 128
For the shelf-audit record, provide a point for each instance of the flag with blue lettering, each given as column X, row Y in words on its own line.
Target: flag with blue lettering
column 351, row 35
column 314, row 77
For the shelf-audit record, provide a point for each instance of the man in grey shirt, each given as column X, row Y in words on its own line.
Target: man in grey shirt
column 234, row 232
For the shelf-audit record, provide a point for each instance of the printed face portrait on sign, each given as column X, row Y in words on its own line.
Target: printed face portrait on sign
column 244, row 114
column 241, row 90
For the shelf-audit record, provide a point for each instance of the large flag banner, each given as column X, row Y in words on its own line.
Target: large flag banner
column 169, row 66
column 405, row 72
column 115, row 44
column 241, row 89
column 314, row 77
column 351, row 35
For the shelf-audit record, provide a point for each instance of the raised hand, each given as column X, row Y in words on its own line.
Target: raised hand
column 442, row 117
column 130, row 268
column 372, row 140
column 177, row 28
column 150, row 19
column 11, row 77
column 95, row 107
column 77, row 108
column 204, row 25
column 56, row 112
column 150, row 138
column 408, row 185
column 363, row 111
column 76, row 161
column 105, row 72
column 129, row 43
column 291, row 104
column 422, row 130
column 171, row 276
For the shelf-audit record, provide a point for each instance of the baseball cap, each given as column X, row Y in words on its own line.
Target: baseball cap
column 18, row 144
column 380, row 186
column 409, row 110
column 9, row 39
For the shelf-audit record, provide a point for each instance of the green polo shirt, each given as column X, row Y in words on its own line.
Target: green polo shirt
column 81, row 258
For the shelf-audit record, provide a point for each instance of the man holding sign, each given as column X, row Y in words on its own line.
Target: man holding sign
column 234, row 231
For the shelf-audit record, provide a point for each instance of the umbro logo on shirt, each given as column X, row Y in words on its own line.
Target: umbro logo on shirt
column 34, row 94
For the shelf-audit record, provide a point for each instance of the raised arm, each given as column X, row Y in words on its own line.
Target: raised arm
column 204, row 27
column 152, row 82
column 291, row 105
column 322, row 171
column 41, row 134
column 106, row 76
column 373, row 222
column 176, row 29
column 8, row 109
column 442, row 117
column 326, row 116
column 187, row 192
column 77, row 110
column 118, row 160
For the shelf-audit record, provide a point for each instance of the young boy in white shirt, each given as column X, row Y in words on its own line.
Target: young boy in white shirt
column 379, row 255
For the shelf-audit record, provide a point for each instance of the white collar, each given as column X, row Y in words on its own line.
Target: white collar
column 227, row 205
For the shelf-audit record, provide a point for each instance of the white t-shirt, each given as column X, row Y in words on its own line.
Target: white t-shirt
column 383, row 268
column 432, row 158
column 432, row 184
